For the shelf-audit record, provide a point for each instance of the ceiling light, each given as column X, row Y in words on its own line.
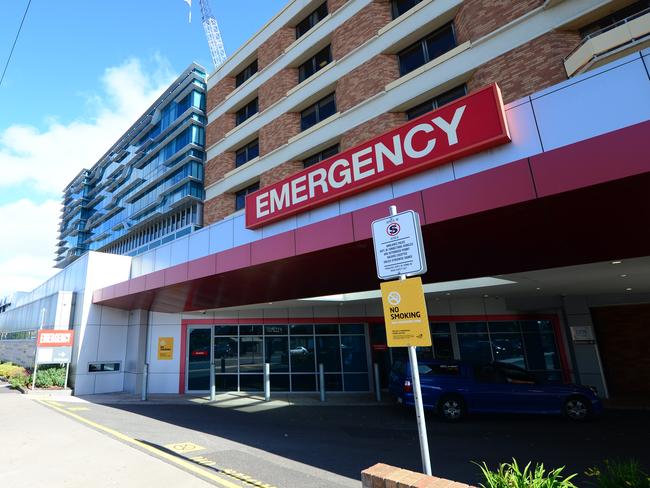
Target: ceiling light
column 538, row 288
column 628, row 289
column 623, row 276
column 617, row 262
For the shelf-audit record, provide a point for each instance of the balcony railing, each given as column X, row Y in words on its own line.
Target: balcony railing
column 616, row 39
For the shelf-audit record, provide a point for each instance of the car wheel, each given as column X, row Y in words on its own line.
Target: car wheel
column 577, row 408
column 451, row 408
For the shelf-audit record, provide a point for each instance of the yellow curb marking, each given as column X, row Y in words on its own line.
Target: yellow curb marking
column 203, row 460
column 183, row 447
column 187, row 465
column 247, row 479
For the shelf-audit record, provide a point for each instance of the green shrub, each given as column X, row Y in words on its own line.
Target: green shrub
column 510, row 475
column 619, row 474
column 49, row 376
column 20, row 381
column 9, row 371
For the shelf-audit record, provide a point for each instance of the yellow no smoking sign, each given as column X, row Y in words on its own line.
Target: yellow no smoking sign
column 405, row 313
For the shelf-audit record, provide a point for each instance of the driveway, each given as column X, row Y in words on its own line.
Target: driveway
column 328, row 446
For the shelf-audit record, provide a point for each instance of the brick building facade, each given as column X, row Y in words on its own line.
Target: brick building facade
column 368, row 44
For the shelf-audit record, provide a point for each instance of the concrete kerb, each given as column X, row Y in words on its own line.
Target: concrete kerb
column 235, row 400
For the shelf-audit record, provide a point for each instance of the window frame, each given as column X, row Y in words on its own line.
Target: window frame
column 245, row 149
column 245, row 74
column 244, row 192
column 245, row 112
column 312, row 63
column 434, row 102
column 423, row 46
column 395, row 9
column 321, row 156
column 310, row 20
column 317, row 107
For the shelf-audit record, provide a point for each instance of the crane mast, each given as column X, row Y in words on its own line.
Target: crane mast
column 215, row 43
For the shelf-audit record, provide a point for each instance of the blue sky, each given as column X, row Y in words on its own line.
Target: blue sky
column 81, row 73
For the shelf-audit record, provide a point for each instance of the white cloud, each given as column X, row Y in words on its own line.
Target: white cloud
column 33, row 160
column 49, row 159
column 29, row 237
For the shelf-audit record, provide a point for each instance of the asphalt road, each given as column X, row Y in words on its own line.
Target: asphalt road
column 314, row 446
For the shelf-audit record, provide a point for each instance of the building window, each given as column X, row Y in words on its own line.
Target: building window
column 240, row 196
column 427, row 49
column 103, row 367
column 246, row 153
column 246, row 73
column 437, row 102
column 325, row 107
column 402, row 6
column 315, row 63
column 321, row 156
column 246, row 112
column 311, row 20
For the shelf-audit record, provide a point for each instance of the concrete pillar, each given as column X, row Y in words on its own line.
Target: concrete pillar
column 587, row 357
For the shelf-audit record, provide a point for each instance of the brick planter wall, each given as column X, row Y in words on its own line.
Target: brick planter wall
column 385, row 476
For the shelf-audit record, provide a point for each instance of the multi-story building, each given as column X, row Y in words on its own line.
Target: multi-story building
column 148, row 188
column 516, row 130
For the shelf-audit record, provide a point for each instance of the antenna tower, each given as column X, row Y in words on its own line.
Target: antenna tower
column 211, row 28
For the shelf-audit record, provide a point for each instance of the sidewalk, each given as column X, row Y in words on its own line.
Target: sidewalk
column 41, row 447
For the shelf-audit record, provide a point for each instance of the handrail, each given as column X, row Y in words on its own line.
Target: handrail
column 588, row 37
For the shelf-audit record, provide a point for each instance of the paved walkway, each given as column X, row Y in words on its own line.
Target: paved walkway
column 41, row 447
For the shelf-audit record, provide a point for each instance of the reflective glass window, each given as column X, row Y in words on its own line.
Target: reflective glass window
column 475, row 348
column 353, row 353
column 328, row 352
column 311, row 20
column 427, row 49
column 246, row 112
column 251, row 382
column 251, row 357
column 302, row 354
column 315, row 63
column 226, row 354
column 436, row 102
column 277, row 353
column 301, row 329
column 240, row 196
column 246, row 153
column 246, row 73
column 324, row 108
column 400, row 7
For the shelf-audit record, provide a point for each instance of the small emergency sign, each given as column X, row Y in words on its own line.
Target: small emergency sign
column 405, row 313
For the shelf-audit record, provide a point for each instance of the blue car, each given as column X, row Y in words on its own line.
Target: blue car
column 454, row 389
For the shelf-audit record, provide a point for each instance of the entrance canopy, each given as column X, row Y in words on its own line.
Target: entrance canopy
column 582, row 203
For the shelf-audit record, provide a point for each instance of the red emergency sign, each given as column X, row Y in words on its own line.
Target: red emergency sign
column 54, row 338
column 465, row 126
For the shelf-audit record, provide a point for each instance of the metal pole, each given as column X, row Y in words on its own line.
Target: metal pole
column 213, row 386
column 321, row 376
column 145, row 378
column 40, row 327
column 377, row 383
column 67, row 370
column 267, row 382
column 419, row 411
column 417, row 396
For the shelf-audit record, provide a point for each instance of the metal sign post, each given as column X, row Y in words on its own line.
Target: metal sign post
column 399, row 249
column 40, row 327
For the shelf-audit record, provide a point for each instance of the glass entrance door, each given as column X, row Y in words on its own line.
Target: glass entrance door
column 199, row 357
